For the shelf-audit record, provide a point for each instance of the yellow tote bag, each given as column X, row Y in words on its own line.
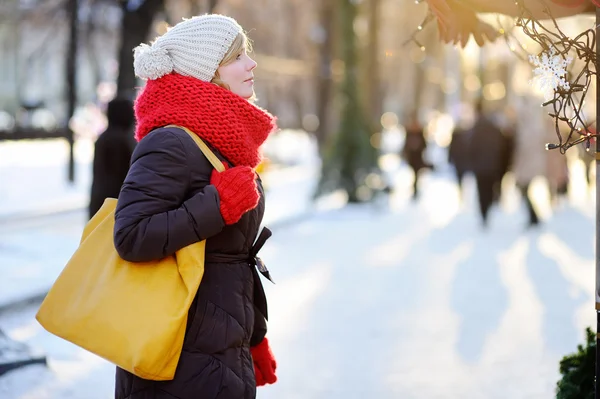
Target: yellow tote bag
column 131, row 314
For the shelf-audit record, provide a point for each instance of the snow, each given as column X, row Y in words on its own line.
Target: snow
column 406, row 299
column 33, row 177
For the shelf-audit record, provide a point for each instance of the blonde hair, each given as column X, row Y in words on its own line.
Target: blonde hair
column 240, row 43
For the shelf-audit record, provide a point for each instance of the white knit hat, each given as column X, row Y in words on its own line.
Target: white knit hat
column 194, row 47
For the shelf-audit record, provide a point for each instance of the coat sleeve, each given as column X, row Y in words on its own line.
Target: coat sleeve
column 153, row 218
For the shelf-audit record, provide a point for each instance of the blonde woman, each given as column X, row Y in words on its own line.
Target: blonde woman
column 199, row 75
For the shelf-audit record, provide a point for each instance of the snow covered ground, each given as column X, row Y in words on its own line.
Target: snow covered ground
column 410, row 300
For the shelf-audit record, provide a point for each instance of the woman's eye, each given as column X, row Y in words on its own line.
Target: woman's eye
column 239, row 56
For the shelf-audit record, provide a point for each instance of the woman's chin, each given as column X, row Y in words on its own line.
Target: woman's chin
column 248, row 96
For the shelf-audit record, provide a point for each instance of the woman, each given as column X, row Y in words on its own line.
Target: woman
column 199, row 76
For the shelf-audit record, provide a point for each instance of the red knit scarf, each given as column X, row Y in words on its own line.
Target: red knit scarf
column 231, row 124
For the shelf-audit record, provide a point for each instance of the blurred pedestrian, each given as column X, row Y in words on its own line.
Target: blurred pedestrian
column 200, row 76
column 587, row 157
column 487, row 159
column 112, row 153
column 458, row 150
column 531, row 156
column 507, row 122
column 557, row 167
column 557, row 175
column 414, row 147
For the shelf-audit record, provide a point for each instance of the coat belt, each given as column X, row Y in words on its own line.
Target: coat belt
column 260, row 299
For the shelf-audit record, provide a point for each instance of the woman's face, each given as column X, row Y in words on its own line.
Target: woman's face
column 238, row 75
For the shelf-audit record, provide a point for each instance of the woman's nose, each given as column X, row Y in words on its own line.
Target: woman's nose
column 252, row 64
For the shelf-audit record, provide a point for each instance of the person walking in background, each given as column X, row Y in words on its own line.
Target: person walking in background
column 557, row 175
column 486, row 152
column 588, row 157
column 507, row 122
column 557, row 165
column 458, row 150
column 531, row 156
column 414, row 147
column 112, row 153
column 200, row 76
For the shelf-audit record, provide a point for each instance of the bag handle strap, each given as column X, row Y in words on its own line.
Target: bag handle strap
column 212, row 158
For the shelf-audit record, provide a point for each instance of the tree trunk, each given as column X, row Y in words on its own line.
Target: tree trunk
column 73, row 9
column 91, row 53
column 135, row 28
column 324, row 76
column 212, row 5
column 373, row 98
column 352, row 157
column 297, row 97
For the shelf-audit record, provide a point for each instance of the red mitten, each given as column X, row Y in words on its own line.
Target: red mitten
column 237, row 191
column 264, row 363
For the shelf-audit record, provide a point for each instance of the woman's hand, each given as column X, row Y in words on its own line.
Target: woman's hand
column 264, row 363
column 238, row 192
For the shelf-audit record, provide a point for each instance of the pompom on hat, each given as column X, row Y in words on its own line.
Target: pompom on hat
column 194, row 47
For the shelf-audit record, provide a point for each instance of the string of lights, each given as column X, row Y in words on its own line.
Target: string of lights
column 567, row 101
column 413, row 37
column 568, row 87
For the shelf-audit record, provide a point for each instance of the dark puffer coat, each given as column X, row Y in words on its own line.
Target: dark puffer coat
column 165, row 204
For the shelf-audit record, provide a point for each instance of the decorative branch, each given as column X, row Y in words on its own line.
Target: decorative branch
column 567, row 98
column 568, row 88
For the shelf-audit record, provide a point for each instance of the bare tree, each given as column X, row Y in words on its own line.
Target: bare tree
column 372, row 89
column 135, row 28
column 324, row 75
column 73, row 8
column 91, row 30
column 351, row 157
column 212, row 5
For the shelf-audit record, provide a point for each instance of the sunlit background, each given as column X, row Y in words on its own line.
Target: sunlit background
column 380, row 293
